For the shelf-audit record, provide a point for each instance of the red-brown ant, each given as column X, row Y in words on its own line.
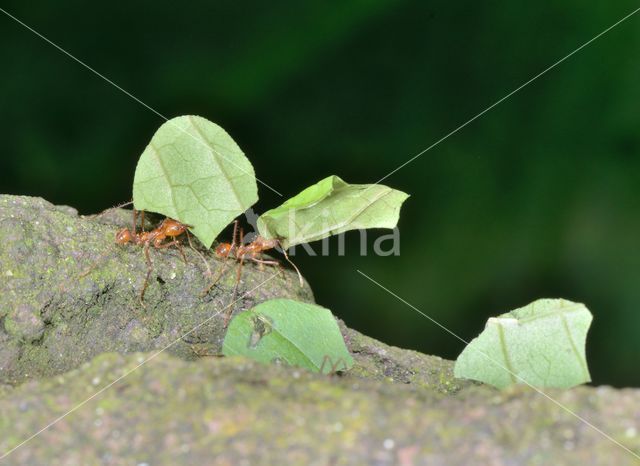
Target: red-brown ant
column 169, row 228
column 241, row 252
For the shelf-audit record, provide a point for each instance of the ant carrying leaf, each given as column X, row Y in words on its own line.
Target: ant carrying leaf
column 194, row 172
column 167, row 234
column 329, row 207
column 241, row 252
column 168, row 229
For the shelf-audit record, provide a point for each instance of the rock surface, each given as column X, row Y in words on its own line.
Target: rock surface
column 231, row 411
column 71, row 327
column 70, row 293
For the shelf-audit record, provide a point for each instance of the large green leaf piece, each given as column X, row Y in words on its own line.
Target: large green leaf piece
column 329, row 207
column 192, row 171
column 541, row 344
column 290, row 332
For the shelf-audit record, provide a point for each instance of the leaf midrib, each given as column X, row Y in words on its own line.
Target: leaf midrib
column 207, row 144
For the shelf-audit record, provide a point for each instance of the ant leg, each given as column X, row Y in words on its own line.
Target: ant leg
column 149, row 270
column 239, row 271
column 135, row 218
column 175, row 243
column 206, row 264
column 179, row 246
column 229, row 313
column 326, row 359
column 221, row 270
column 260, row 262
column 93, row 266
column 286, row 256
column 274, row 263
column 333, row 367
column 235, row 233
column 142, row 220
column 241, row 237
column 164, row 245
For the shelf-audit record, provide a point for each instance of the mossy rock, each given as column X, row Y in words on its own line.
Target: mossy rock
column 69, row 293
column 71, row 327
column 229, row 411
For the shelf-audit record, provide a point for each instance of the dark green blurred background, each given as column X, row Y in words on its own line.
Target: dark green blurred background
column 537, row 198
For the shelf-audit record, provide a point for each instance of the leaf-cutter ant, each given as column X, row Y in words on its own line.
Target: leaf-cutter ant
column 168, row 229
column 240, row 252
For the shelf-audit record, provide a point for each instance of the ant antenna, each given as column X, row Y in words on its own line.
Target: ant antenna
column 124, row 204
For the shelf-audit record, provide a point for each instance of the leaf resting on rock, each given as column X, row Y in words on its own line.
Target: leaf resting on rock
column 542, row 343
column 329, row 207
column 290, row 332
column 192, row 171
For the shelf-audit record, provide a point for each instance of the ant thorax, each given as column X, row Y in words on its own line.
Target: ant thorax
column 263, row 244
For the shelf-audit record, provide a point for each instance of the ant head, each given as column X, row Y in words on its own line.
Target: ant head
column 223, row 250
column 173, row 227
column 124, row 236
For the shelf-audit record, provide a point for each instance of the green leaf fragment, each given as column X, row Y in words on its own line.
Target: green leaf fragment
column 541, row 344
column 193, row 172
column 330, row 207
column 290, row 332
